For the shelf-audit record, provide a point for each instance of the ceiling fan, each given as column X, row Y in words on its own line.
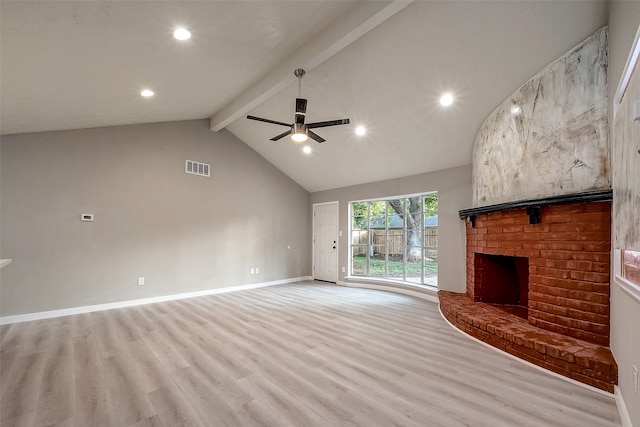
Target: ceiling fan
column 299, row 131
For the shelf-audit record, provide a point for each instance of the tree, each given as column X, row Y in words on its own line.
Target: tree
column 410, row 211
column 361, row 214
column 430, row 205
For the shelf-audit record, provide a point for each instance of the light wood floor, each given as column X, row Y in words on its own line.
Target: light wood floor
column 306, row 354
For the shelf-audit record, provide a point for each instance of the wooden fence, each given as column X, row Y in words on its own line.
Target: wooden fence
column 395, row 243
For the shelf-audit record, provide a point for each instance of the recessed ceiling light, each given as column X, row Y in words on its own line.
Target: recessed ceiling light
column 360, row 130
column 306, row 149
column 181, row 34
column 147, row 93
column 446, row 100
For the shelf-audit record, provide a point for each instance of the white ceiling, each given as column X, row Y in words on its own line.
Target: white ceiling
column 70, row 65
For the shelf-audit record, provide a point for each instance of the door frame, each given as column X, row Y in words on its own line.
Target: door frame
column 313, row 238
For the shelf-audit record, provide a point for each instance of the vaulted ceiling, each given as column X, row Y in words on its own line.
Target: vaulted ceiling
column 383, row 64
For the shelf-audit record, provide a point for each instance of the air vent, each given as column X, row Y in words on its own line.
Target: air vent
column 197, row 168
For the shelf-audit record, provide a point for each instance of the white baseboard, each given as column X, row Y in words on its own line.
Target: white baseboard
column 5, row 320
column 422, row 295
column 622, row 408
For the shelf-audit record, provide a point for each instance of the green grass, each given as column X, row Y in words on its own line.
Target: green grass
column 376, row 268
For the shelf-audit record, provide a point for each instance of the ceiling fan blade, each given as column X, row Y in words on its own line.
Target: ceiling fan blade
column 315, row 136
column 282, row 135
column 301, row 110
column 260, row 119
column 327, row 123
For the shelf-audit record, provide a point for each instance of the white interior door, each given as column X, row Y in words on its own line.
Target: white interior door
column 325, row 241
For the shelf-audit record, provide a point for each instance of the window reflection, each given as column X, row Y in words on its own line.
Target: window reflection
column 631, row 266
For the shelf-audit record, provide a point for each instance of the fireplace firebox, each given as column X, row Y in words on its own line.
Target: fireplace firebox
column 503, row 281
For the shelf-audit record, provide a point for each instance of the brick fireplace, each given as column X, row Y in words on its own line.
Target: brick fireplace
column 538, row 283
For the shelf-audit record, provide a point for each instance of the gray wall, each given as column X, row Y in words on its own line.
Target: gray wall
column 624, row 21
column 181, row 232
column 454, row 193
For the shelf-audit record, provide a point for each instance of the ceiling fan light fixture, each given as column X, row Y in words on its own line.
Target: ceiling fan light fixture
column 299, row 133
column 299, row 137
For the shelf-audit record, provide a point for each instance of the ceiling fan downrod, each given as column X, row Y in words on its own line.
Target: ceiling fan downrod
column 299, row 73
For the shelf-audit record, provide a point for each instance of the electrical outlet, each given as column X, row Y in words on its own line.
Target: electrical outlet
column 635, row 379
column 343, row 269
column 257, row 270
column 140, row 281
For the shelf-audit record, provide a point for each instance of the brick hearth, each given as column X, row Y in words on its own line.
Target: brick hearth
column 565, row 298
column 580, row 360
